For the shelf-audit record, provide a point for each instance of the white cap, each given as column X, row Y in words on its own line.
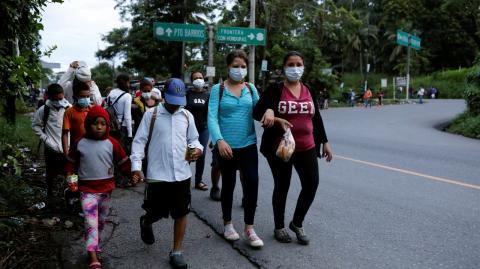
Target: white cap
column 156, row 93
column 82, row 72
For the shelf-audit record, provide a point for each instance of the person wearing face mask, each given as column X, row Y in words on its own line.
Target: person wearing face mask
column 163, row 137
column 143, row 102
column 197, row 104
column 47, row 124
column 232, row 131
column 292, row 104
column 74, row 117
column 78, row 71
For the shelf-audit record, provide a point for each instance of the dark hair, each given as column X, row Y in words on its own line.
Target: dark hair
column 54, row 89
column 193, row 72
column 145, row 82
column 122, row 81
column 236, row 54
column 80, row 86
column 291, row 54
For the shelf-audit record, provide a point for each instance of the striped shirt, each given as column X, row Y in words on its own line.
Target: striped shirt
column 233, row 122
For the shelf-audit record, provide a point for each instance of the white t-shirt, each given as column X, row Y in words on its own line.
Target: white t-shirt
column 123, row 108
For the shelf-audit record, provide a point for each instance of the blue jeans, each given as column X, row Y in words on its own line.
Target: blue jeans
column 368, row 102
column 200, row 164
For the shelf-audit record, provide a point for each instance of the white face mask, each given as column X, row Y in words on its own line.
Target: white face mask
column 237, row 73
column 198, row 83
column 294, row 73
column 146, row 95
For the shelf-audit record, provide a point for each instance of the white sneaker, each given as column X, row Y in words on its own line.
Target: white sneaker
column 253, row 239
column 229, row 233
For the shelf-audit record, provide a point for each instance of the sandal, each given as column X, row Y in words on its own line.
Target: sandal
column 95, row 265
column 201, row 186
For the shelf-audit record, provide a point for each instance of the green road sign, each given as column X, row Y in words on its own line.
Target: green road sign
column 179, row 32
column 406, row 39
column 241, row 35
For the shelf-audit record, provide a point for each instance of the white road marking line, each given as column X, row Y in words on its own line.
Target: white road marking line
column 441, row 179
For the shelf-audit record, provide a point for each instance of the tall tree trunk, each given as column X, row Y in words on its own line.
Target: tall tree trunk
column 361, row 63
column 10, row 108
column 9, row 90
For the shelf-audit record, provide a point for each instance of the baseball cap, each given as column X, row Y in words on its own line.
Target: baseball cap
column 175, row 92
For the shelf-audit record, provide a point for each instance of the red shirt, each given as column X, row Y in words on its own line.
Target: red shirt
column 73, row 120
column 299, row 112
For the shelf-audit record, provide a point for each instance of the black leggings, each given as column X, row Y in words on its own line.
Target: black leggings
column 245, row 160
column 306, row 165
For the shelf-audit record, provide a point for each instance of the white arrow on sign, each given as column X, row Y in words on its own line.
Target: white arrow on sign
column 251, row 36
column 169, row 31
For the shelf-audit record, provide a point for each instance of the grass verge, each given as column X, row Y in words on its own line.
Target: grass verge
column 466, row 124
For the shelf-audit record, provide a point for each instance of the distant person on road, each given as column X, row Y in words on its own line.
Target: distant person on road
column 292, row 105
column 47, row 124
column 367, row 98
column 326, row 96
column 351, row 97
column 433, row 93
column 79, row 71
column 421, row 93
column 380, row 95
column 73, row 119
column 94, row 158
column 143, row 102
column 197, row 104
column 232, row 129
column 168, row 140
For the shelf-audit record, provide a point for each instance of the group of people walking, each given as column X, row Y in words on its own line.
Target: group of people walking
column 158, row 138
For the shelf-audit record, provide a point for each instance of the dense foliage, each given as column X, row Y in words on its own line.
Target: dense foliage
column 468, row 123
column 19, row 48
column 343, row 35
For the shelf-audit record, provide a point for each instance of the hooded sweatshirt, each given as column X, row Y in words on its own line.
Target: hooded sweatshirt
column 51, row 135
column 94, row 158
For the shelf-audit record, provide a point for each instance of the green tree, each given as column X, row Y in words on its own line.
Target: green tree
column 103, row 74
column 137, row 44
column 19, row 49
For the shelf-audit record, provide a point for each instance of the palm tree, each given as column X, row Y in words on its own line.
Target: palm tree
column 360, row 42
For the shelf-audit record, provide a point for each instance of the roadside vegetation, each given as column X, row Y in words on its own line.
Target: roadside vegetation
column 468, row 123
column 26, row 225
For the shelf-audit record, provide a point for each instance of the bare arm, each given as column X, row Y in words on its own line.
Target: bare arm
column 65, row 134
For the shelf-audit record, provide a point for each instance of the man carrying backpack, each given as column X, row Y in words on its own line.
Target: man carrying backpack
column 119, row 104
column 47, row 124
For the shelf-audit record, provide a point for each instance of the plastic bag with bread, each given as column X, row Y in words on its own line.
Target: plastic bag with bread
column 287, row 146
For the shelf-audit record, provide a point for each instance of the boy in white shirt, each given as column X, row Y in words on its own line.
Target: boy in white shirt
column 47, row 124
column 162, row 139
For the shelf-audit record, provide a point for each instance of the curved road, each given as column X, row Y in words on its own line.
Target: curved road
column 398, row 194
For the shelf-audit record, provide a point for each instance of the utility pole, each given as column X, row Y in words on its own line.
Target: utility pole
column 183, row 43
column 210, row 50
column 407, row 92
column 251, row 56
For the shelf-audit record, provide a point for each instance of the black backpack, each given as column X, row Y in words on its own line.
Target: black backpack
column 115, row 125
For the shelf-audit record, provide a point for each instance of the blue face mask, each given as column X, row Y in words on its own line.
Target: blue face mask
column 83, row 102
column 294, row 73
column 237, row 73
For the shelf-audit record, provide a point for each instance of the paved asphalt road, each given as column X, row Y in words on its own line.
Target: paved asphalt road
column 399, row 194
